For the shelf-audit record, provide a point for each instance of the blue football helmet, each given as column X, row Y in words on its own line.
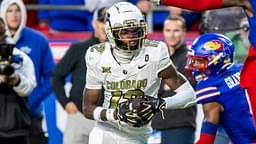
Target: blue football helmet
column 208, row 54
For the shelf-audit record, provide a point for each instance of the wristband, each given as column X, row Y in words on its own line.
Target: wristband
column 96, row 113
column 110, row 114
column 208, row 133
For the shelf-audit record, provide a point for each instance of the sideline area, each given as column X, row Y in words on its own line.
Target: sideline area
column 60, row 41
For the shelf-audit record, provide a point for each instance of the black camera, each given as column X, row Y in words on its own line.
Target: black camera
column 6, row 59
column 245, row 26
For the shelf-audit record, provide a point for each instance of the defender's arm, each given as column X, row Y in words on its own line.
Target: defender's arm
column 201, row 5
column 209, row 128
column 191, row 4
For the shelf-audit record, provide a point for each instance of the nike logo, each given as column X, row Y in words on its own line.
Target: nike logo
column 140, row 67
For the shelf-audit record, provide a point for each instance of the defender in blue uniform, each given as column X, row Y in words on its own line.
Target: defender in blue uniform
column 224, row 102
column 248, row 74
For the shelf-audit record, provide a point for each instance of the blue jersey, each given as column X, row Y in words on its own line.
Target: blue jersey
column 252, row 22
column 224, row 88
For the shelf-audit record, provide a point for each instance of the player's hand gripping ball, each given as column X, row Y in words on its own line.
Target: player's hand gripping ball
column 140, row 110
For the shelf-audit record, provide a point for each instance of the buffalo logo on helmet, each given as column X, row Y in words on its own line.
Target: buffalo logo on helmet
column 213, row 45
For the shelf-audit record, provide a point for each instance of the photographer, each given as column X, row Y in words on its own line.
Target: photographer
column 240, row 39
column 17, row 80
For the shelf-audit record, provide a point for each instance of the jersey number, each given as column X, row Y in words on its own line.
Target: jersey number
column 117, row 95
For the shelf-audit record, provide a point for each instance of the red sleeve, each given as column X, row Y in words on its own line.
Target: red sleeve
column 206, row 139
column 208, row 133
column 196, row 5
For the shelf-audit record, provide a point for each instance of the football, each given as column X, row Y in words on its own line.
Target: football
column 137, row 104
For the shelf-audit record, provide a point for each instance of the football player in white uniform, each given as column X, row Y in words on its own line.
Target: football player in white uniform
column 128, row 66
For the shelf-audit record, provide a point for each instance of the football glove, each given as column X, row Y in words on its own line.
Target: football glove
column 126, row 115
column 140, row 110
column 147, row 106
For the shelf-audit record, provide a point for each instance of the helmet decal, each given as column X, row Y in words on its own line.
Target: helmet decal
column 213, row 45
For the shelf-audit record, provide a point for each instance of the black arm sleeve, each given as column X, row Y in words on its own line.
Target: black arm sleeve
column 62, row 70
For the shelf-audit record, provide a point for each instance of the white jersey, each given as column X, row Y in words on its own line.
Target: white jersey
column 126, row 81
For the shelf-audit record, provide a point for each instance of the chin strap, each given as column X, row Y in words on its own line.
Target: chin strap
column 123, row 57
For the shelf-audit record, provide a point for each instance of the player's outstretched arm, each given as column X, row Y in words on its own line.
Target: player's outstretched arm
column 185, row 95
column 198, row 5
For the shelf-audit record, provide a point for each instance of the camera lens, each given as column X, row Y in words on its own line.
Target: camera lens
column 8, row 70
column 245, row 27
